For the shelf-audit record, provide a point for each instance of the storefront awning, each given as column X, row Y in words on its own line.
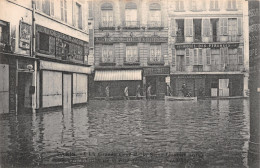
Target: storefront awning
column 117, row 75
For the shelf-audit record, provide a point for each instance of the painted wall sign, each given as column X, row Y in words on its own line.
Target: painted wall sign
column 156, row 71
column 131, row 39
column 25, row 35
column 207, row 45
column 190, row 76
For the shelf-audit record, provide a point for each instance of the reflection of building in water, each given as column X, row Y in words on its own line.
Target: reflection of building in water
column 130, row 46
column 208, row 47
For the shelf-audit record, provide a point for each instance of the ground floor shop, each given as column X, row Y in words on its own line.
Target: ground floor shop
column 62, row 85
column 208, row 85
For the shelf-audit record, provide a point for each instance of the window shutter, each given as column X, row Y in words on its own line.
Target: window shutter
column 195, row 56
column 239, row 4
column 187, row 56
column 225, row 26
column 204, row 56
column 222, row 56
column 74, row 14
column 173, row 56
column 91, row 38
column 200, row 56
column 191, row 56
column 173, row 27
column 208, row 53
column 52, row 7
column 239, row 26
column 206, row 27
column 221, row 26
column 226, row 55
column 188, row 27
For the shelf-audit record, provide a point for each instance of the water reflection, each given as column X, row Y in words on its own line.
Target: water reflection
column 219, row 129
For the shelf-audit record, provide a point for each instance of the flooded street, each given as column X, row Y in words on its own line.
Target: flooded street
column 135, row 133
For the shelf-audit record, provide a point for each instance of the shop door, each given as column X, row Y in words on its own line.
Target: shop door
column 24, row 96
column 180, row 63
column 66, row 92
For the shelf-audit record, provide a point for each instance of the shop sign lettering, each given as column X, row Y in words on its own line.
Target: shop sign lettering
column 131, row 39
column 205, row 45
column 157, row 71
column 25, row 35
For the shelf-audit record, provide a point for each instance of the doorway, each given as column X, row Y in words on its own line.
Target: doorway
column 67, row 92
column 23, row 95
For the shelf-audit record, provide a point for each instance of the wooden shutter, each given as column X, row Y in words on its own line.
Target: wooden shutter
column 188, row 27
column 222, row 56
column 226, row 55
column 240, row 55
column 208, row 54
column 173, row 28
column 191, row 53
column 91, row 38
column 204, row 59
column 200, row 61
column 239, row 26
column 195, row 56
column 173, row 56
column 187, row 56
column 206, row 27
column 225, row 26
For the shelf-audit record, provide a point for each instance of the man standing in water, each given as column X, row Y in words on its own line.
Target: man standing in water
column 107, row 93
column 126, row 93
column 138, row 92
column 149, row 92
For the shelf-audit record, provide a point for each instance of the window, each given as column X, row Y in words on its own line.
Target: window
column 189, row 27
column 240, row 55
column 180, row 30
column 130, row 14
column 214, row 23
column 155, row 15
column 63, row 5
column 107, row 54
column 197, row 30
column 232, row 54
column 208, row 56
column 196, row 5
column 90, row 9
column 78, row 13
column 131, row 54
column 179, row 5
column 232, row 4
column 44, row 42
column 155, row 53
column 187, row 54
column 4, row 32
column 47, row 6
column 107, row 15
column 215, row 57
column 214, row 5
column 232, row 29
column 223, row 26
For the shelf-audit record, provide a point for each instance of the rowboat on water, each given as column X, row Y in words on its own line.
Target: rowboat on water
column 175, row 98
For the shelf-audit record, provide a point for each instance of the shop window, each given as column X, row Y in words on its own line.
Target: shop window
column 214, row 5
column 107, row 54
column 197, row 30
column 44, row 42
column 107, row 15
column 131, row 15
column 155, row 53
column 179, row 5
column 155, row 15
column 232, row 29
column 78, row 12
column 131, row 54
column 180, row 30
column 232, row 5
column 63, row 4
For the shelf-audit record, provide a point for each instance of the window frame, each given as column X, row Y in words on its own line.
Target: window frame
column 109, row 49
column 155, row 59
column 132, row 49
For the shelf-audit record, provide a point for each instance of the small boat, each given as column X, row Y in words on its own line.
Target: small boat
column 175, row 98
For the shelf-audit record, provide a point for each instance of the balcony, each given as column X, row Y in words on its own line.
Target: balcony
column 106, row 25
column 226, row 68
column 180, row 39
column 131, row 25
column 155, row 25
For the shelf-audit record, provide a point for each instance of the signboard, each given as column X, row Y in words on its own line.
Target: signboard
column 207, row 45
column 131, row 39
column 25, row 35
column 190, row 76
column 167, row 79
column 156, row 71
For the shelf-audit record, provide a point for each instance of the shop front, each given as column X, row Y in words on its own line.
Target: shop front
column 156, row 78
column 116, row 81
column 62, row 84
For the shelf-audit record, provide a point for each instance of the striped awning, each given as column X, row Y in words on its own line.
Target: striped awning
column 117, row 75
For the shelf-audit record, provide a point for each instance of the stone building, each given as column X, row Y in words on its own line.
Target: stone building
column 46, row 49
column 130, row 46
column 208, row 47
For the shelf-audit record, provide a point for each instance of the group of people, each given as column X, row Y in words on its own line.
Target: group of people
column 138, row 92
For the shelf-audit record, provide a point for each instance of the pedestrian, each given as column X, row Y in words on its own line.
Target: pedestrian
column 126, row 93
column 138, row 91
column 149, row 92
column 107, row 92
column 184, row 90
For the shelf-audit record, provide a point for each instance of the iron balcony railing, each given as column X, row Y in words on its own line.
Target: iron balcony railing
column 131, row 24
column 107, row 25
column 155, row 24
column 226, row 67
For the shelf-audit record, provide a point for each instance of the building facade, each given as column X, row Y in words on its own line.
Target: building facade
column 130, row 47
column 208, row 46
column 46, row 52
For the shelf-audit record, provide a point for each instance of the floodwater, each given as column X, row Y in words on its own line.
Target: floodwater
column 133, row 133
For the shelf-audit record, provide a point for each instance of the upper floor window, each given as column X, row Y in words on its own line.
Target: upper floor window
column 196, row 5
column 46, row 6
column 63, row 9
column 90, row 9
column 155, row 53
column 107, row 54
column 4, row 32
column 232, row 4
column 131, row 53
column 214, row 5
column 107, row 15
column 131, row 14
column 78, row 16
column 155, row 15
column 179, row 5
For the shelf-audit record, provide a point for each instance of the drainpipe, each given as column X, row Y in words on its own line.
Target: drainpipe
column 34, row 80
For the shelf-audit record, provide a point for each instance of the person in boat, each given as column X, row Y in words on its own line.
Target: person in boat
column 184, row 90
column 126, row 93
column 149, row 94
column 138, row 92
column 107, row 92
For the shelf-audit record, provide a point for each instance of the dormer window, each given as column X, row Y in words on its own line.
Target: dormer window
column 131, row 15
column 107, row 15
column 155, row 15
